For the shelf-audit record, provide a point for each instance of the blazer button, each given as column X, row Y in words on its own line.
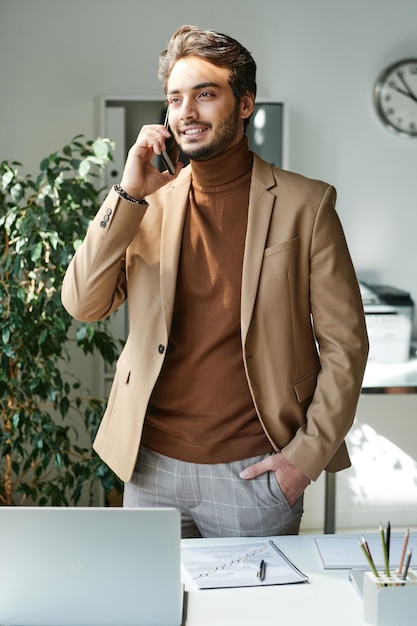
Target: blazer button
column 161, row 349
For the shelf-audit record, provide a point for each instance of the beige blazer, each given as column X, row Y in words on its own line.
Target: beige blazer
column 299, row 291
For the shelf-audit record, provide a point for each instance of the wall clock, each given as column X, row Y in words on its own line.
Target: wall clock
column 395, row 97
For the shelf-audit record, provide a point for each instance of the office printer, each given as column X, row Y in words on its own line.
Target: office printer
column 389, row 314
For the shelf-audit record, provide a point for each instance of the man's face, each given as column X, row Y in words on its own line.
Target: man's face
column 204, row 115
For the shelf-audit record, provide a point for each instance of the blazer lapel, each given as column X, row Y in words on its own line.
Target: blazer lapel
column 175, row 206
column 261, row 204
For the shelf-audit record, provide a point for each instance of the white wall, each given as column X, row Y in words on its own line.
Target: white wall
column 321, row 56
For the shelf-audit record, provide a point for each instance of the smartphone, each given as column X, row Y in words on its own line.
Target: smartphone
column 169, row 156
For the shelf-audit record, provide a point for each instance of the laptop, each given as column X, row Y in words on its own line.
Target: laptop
column 90, row 567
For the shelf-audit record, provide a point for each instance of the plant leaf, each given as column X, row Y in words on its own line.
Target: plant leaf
column 7, row 178
column 36, row 252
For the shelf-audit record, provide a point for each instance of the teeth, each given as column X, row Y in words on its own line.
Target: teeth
column 193, row 131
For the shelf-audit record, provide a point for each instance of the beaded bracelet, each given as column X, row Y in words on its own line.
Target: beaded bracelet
column 122, row 193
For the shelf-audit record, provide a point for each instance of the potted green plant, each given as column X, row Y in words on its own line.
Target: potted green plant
column 43, row 405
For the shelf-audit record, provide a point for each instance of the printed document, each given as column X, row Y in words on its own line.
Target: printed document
column 237, row 565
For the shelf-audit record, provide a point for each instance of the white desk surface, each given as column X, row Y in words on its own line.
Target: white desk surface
column 391, row 377
column 328, row 599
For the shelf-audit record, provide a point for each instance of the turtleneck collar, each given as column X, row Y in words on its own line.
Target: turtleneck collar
column 224, row 168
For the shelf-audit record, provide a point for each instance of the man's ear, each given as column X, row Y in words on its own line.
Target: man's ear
column 246, row 105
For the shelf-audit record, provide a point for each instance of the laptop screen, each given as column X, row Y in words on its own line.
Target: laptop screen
column 90, row 567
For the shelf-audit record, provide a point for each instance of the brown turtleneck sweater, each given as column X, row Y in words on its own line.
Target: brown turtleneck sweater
column 201, row 409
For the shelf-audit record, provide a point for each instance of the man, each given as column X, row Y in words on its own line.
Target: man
column 247, row 345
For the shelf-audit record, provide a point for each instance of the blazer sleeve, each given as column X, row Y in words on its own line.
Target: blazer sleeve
column 95, row 281
column 340, row 331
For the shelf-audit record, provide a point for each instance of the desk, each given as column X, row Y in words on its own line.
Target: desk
column 380, row 378
column 391, row 377
column 328, row 599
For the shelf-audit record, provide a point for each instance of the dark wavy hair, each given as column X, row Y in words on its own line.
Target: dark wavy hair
column 216, row 48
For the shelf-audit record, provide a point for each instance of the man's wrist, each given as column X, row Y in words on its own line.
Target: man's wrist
column 123, row 194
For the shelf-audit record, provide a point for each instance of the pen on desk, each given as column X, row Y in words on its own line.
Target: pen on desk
column 261, row 570
column 384, row 550
column 407, row 565
column 405, row 542
column 368, row 556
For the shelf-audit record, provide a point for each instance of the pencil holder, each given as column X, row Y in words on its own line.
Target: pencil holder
column 390, row 601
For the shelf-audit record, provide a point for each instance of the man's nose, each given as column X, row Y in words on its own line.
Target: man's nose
column 188, row 110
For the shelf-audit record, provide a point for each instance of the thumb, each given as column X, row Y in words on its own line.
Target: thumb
column 256, row 469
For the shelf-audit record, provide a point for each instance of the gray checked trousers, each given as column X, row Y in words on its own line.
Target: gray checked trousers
column 212, row 499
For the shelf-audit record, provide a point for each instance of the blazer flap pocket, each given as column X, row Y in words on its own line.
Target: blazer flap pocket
column 305, row 387
column 123, row 369
column 285, row 245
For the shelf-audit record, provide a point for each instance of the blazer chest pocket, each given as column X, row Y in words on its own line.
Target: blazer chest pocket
column 282, row 247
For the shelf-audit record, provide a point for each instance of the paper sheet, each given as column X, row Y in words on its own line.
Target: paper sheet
column 236, row 565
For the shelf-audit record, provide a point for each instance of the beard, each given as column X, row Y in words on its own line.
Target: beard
column 225, row 135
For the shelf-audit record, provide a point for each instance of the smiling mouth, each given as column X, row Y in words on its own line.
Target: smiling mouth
column 195, row 132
